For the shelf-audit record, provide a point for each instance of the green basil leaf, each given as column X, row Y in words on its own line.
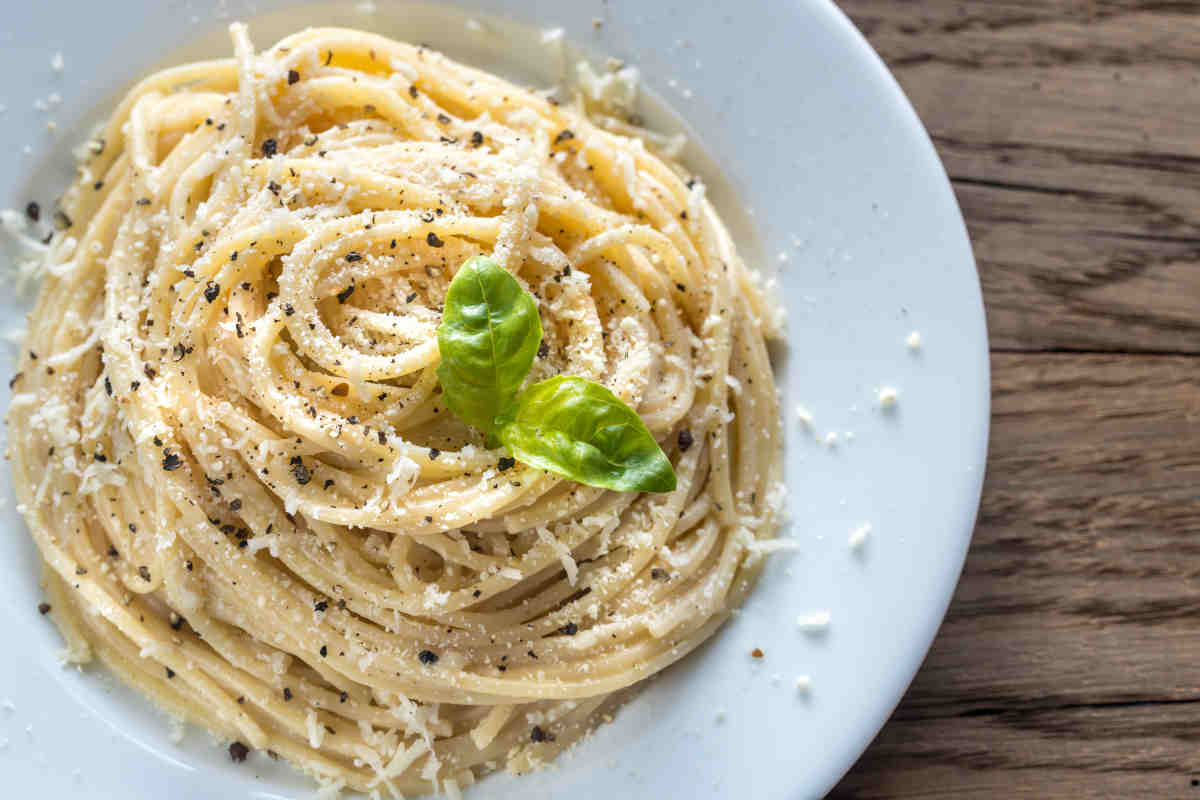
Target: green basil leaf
column 488, row 339
column 582, row 431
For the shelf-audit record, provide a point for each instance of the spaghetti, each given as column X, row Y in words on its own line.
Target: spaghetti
column 228, row 439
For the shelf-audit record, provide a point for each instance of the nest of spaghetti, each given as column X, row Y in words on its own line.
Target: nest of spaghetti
column 229, row 442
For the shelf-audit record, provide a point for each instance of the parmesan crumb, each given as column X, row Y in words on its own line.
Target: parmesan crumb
column 888, row 396
column 804, row 416
column 803, row 684
column 858, row 536
column 815, row 622
column 831, row 439
column 56, row 62
column 913, row 342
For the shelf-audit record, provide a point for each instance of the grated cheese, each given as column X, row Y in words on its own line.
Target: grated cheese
column 316, row 733
column 617, row 90
column 562, row 551
column 858, row 536
column 815, row 622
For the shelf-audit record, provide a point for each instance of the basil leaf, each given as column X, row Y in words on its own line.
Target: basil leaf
column 582, row 431
column 488, row 338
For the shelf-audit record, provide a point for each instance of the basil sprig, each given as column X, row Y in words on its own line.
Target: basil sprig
column 567, row 425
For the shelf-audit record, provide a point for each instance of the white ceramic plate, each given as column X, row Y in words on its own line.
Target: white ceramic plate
column 821, row 159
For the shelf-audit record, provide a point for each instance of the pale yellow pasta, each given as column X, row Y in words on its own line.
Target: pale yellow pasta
column 229, row 444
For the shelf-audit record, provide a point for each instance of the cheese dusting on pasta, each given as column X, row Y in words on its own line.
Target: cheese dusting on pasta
column 229, row 443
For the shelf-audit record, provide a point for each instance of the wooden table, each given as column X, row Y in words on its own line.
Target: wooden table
column 1069, row 664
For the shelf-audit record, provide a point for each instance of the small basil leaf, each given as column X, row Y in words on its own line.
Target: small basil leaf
column 582, row 431
column 488, row 339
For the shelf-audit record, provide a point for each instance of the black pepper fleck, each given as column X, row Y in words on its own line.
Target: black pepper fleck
column 427, row 657
column 238, row 752
column 300, row 472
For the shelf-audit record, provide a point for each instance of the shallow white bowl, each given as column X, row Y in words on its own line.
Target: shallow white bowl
column 813, row 153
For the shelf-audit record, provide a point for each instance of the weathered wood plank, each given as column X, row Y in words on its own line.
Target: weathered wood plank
column 1069, row 663
column 1145, row 751
column 1069, row 129
column 1088, row 538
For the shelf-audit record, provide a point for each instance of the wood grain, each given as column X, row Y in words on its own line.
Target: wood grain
column 1069, row 663
column 1069, row 130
